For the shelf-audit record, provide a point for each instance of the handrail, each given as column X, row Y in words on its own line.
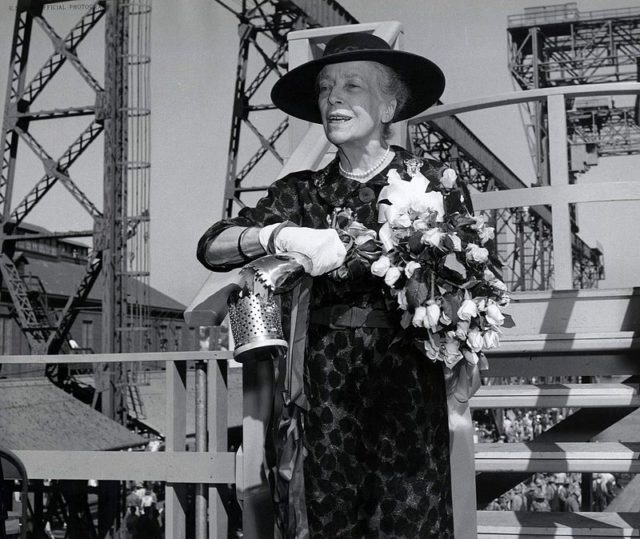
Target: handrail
column 522, row 96
column 210, row 468
column 560, row 193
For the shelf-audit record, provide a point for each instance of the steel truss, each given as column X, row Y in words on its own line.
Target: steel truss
column 523, row 238
column 119, row 111
column 558, row 46
column 263, row 29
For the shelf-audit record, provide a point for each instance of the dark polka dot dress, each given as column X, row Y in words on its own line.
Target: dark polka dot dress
column 376, row 431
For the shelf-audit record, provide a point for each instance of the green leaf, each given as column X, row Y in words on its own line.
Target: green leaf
column 454, row 267
column 417, row 289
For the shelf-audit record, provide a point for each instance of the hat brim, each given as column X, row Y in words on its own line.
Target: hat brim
column 295, row 92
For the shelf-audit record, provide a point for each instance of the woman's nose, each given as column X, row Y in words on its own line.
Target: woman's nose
column 335, row 96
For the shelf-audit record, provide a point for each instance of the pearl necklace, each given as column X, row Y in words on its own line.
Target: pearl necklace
column 367, row 173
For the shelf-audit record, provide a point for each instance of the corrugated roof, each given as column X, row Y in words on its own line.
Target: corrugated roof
column 36, row 415
column 61, row 278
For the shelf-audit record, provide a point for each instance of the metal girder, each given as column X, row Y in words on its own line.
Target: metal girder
column 523, row 237
column 325, row 13
column 57, row 60
column 570, row 47
column 264, row 25
column 522, row 244
column 43, row 186
column 28, row 320
column 67, row 52
column 70, row 311
column 17, row 77
column 579, row 48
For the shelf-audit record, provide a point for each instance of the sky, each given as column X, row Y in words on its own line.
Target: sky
column 194, row 47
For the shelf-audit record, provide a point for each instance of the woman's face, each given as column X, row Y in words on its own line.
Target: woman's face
column 351, row 104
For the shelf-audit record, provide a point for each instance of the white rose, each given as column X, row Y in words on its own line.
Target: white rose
column 481, row 302
column 431, row 350
column 401, row 298
column 433, row 237
column 420, row 225
column 392, row 275
column 435, row 203
column 480, row 221
column 488, row 275
column 491, row 339
column 462, row 328
column 411, row 267
column 499, row 285
column 387, row 239
column 475, row 340
column 486, row 233
column 476, row 253
column 402, row 220
column 452, row 352
column 457, row 242
column 471, row 357
column 449, row 177
column 467, row 310
column 432, row 317
column 419, row 316
column 494, row 315
column 379, row 267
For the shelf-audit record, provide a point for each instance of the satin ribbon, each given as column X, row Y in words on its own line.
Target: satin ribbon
column 289, row 492
column 461, row 383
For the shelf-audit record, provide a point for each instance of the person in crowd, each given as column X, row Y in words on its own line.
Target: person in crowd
column 131, row 523
column 375, row 431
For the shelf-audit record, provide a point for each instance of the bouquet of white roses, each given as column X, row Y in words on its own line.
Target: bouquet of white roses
column 437, row 267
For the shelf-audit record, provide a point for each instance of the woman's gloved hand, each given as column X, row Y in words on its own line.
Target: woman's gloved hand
column 323, row 246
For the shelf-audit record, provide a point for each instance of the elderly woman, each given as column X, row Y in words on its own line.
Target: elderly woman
column 376, row 432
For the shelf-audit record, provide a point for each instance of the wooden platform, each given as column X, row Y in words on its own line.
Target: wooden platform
column 556, row 396
column 528, row 525
column 558, row 457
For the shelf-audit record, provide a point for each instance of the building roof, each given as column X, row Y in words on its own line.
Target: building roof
column 61, row 278
column 37, row 415
column 154, row 400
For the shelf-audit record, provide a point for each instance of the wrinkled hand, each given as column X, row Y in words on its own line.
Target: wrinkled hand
column 323, row 247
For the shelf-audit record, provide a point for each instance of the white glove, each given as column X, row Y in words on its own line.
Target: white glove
column 323, row 247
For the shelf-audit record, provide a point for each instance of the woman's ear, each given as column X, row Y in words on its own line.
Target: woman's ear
column 389, row 110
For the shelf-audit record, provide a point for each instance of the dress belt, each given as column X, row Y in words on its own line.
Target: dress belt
column 346, row 316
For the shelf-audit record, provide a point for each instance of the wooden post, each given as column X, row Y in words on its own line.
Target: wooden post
column 463, row 474
column 559, row 169
column 175, row 493
column 217, row 426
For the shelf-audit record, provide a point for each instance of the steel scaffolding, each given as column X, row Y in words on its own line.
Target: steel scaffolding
column 119, row 110
column 263, row 29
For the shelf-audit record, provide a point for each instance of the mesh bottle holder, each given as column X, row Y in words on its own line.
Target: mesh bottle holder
column 255, row 321
column 254, row 309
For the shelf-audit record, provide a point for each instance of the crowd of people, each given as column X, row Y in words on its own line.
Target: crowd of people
column 542, row 492
column 518, row 425
column 144, row 516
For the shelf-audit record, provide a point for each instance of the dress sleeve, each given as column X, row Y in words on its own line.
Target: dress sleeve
column 281, row 203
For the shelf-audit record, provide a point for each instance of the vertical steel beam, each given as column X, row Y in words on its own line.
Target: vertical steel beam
column 15, row 87
column 113, row 196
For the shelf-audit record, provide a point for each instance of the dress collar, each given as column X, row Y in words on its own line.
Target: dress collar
column 335, row 188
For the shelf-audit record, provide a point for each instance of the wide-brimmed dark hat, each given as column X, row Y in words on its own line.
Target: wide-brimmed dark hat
column 295, row 92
